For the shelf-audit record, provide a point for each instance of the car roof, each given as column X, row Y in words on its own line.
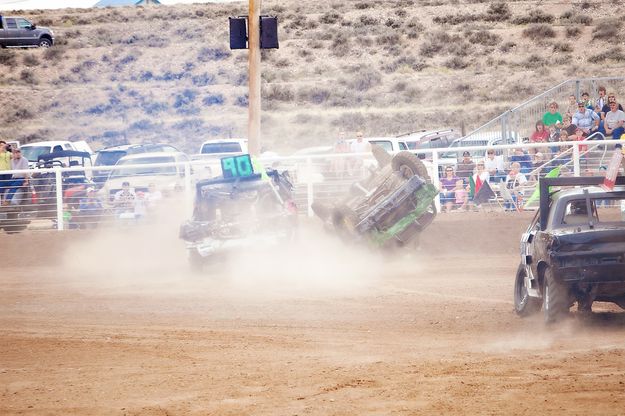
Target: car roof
column 122, row 147
column 592, row 190
column 225, row 141
column 47, row 143
column 416, row 136
column 151, row 154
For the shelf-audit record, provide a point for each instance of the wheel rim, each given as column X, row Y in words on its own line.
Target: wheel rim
column 44, row 44
column 406, row 171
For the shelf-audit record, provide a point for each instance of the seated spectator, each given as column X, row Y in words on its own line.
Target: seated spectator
column 154, row 196
column 571, row 107
column 448, row 183
column 568, row 125
column 613, row 122
column 90, row 209
column 514, row 180
column 611, row 98
column 461, row 195
column 524, row 160
column 538, row 162
column 586, row 119
column 601, row 101
column 579, row 136
column 540, row 135
column 465, row 167
column 552, row 117
column 124, row 200
column 587, row 101
column 494, row 165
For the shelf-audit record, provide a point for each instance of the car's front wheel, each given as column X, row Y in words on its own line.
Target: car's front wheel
column 408, row 165
column 44, row 43
column 555, row 299
column 524, row 305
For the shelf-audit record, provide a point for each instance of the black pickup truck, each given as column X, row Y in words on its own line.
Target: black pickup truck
column 574, row 249
column 19, row 32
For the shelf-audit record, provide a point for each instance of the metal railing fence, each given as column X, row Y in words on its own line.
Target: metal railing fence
column 66, row 198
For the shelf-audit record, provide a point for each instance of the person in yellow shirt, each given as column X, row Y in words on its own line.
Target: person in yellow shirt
column 5, row 165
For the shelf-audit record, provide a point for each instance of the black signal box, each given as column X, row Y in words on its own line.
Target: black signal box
column 238, row 32
column 268, row 32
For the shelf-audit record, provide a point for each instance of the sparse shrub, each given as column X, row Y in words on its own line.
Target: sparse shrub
column 153, row 108
column 44, row 21
column 8, row 58
column 30, row 60
column 389, row 38
column 315, row 44
column 282, row 63
column 363, row 5
column 562, row 47
column 203, row 80
column 392, row 23
column 609, row 31
column 340, row 44
column 615, row 54
column 507, row 47
column 456, row 19
column 497, row 12
column 279, row 93
column 242, row 101
column 401, row 13
column 330, row 18
column 436, row 42
column 456, row 63
column 539, row 32
column 535, row 61
column 144, row 124
column 484, row 37
column 571, row 17
column 405, row 61
column 314, row 95
column 183, row 102
column 213, row 54
column 534, row 16
column 365, row 78
column 213, row 99
column 367, row 20
column 573, row 32
column 28, row 76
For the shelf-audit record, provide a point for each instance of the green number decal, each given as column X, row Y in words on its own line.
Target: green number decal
column 229, row 168
column 244, row 166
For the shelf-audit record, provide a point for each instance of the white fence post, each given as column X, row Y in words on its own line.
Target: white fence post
column 59, row 199
column 576, row 169
column 309, row 187
column 435, row 179
column 188, row 195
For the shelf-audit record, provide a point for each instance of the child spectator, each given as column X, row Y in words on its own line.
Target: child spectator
column 601, row 101
column 514, row 180
column 571, row 107
column 540, row 135
column 587, row 101
column 461, row 195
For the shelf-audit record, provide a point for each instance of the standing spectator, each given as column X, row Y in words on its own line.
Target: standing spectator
column 571, row 107
column 5, row 164
column 601, row 101
column 341, row 147
column 494, row 166
column 587, row 101
column 465, row 167
column 552, row 117
column 540, row 135
column 448, row 183
column 124, row 199
column 613, row 123
column 586, row 119
column 17, row 179
column 514, row 180
column 90, row 209
column 523, row 159
column 360, row 145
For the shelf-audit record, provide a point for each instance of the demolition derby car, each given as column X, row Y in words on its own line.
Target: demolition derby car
column 240, row 210
column 573, row 250
column 389, row 208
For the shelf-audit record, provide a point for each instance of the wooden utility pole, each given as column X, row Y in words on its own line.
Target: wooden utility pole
column 253, row 125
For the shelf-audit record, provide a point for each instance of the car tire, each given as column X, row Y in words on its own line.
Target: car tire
column 44, row 43
column 344, row 220
column 14, row 225
column 408, row 165
column 555, row 299
column 524, row 305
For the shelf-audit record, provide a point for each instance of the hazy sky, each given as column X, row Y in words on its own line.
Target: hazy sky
column 56, row 4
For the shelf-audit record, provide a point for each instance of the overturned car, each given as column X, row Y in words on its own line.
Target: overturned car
column 240, row 210
column 389, row 208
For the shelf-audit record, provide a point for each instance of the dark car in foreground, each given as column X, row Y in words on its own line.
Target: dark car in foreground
column 574, row 249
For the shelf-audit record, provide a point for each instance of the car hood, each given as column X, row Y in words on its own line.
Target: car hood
column 141, row 183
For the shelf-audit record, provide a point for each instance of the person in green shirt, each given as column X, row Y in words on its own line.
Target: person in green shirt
column 552, row 117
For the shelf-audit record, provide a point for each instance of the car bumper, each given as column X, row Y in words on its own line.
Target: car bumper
column 600, row 267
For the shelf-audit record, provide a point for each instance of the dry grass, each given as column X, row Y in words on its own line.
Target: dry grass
column 362, row 64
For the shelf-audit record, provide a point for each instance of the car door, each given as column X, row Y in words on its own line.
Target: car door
column 11, row 32
column 26, row 35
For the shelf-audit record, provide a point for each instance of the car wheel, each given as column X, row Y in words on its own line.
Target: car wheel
column 44, row 43
column 555, row 299
column 13, row 224
column 524, row 305
column 408, row 165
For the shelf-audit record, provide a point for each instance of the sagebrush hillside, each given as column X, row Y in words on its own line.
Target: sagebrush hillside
column 386, row 67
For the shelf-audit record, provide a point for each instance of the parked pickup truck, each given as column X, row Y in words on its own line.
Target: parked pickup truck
column 19, row 32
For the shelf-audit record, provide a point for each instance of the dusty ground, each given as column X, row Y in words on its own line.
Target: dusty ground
column 126, row 330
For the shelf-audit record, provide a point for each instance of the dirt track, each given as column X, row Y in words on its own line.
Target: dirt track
column 113, row 324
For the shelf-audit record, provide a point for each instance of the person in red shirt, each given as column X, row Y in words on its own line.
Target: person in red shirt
column 541, row 135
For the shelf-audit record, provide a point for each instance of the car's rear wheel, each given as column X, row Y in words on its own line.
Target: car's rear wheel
column 13, row 224
column 555, row 299
column 524, row 305
column 408, row 165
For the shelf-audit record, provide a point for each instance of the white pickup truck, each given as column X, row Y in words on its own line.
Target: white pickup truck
column 212, row 151
column 32, row 151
